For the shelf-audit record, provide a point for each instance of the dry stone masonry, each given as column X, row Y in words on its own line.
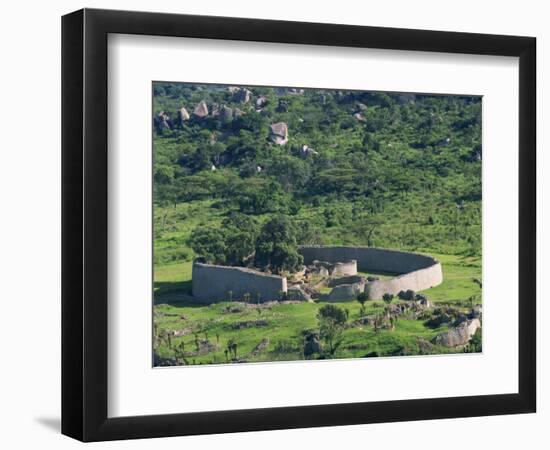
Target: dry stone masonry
column 416, row 272
column 212, row 283
column 339, row 264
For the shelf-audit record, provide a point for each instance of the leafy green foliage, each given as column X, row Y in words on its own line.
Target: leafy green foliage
column 276, row 246
column 408, row 176
column 332, row 320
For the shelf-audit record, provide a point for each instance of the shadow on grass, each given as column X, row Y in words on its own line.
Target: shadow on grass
column 175, row 293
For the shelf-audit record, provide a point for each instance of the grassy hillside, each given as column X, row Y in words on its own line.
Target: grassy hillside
column 386, row 170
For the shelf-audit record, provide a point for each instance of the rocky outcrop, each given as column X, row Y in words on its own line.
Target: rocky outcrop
column 162, row 121
column 183, row 115
column 242, row 95
column 359, row 117
column 308, row 151
column 215, row 110
column 459, row 335
column 226, row 114
column 201, row 110
column 261, row 102
column 279, row 133
column 297, row 293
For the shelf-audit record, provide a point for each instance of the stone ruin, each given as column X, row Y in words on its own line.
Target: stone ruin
column 331, row 266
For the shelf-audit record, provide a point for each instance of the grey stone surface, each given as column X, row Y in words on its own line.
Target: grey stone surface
column 346, row 280
column 347, row 268
column 345, row 292
column 417, row 272
column 201, row 110
column 337, row 269
column 296, row 293
column 226, row 114
column 242, row 95
column 162, row 121
column 460, row 335
column 212, row 283
column 183, row 115
column 279, row 133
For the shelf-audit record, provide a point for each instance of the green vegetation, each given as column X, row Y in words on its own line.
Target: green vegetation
column 404, row 174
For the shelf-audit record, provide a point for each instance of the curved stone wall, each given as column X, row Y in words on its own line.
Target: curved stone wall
column 417, row 280
column 212, row 283
column 416, row 272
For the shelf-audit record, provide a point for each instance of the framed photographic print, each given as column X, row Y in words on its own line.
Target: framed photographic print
column 274, row 224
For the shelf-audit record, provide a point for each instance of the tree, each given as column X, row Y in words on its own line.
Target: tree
column 276, row 247
column 232, row 348
column 387, row 298
column 208, row 243
column 240, row 232
column 332, row 320
column 362, row 298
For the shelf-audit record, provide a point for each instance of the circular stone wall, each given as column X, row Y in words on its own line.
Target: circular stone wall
column 414, row 271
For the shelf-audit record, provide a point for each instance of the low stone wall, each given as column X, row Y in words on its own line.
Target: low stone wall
column 417, row 272
column 212, row 283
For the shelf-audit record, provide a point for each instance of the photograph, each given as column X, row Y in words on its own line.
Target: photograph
column 295, row 223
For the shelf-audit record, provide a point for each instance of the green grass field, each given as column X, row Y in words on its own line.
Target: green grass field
column 405, row 175
column 282, row 324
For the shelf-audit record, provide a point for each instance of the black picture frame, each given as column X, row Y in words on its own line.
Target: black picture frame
column 84, row 224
